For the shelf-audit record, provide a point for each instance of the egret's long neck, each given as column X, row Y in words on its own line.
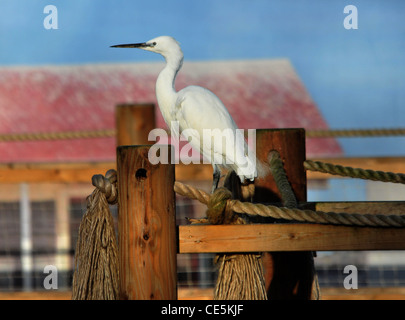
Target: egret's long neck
column 165, row 88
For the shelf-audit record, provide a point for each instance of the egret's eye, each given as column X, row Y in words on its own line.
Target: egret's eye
column 154, row 43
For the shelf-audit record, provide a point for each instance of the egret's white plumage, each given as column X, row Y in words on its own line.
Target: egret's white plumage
column 198, row 108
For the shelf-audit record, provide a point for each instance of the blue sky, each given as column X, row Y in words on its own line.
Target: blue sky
column 356, row 77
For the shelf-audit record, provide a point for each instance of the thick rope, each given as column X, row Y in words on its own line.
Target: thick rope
column 258, row 209
column 240, row 276
column 14, row 137
column 354, row 172
column 96, row 269
column 348, row 133
column 108, row 133
column 280, row 177
column 217, row 212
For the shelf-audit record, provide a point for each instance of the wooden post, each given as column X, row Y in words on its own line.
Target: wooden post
column 134, row 122
column 147, row 226
column 289, row 275
column 290, row 144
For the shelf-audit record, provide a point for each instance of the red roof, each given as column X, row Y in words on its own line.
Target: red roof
column 257, row 93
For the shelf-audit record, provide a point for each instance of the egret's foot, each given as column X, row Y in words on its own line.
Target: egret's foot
column 248, row 190
column 215, row 180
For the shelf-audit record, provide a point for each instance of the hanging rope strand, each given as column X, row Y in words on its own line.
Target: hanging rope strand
column 96, row 271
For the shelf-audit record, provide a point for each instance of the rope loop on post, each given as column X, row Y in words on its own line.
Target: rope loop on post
column 217, row 212
column 96, row 272
column 107, row 185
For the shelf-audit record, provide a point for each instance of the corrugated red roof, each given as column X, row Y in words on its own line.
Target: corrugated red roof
column 258, row 94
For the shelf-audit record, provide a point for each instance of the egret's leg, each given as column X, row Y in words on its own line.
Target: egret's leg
column 216, row 177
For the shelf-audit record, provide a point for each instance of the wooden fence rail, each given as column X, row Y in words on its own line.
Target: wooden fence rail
column 287, row 237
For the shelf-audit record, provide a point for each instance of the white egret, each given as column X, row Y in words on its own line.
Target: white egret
column 197, row 108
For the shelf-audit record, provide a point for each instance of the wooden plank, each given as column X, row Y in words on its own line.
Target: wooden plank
column 82, row 172
column 37, row 295
column 384, row 293
column 53, row 172
column 363, row 207
column 146, row 226
column 287, row 237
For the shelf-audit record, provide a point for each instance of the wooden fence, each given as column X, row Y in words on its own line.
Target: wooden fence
column 149, row 240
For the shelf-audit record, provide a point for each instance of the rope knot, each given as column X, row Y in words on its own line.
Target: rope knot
column 218, row 210
column 107, row 185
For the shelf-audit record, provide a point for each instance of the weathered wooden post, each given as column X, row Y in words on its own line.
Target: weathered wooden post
column 146, row 226
column 134, row 122
column 146, row 205
column 289, row 275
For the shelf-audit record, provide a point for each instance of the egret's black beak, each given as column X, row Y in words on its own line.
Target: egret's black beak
column 132, row 45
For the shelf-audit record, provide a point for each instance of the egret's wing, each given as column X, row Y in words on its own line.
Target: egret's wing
column 198, row 109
